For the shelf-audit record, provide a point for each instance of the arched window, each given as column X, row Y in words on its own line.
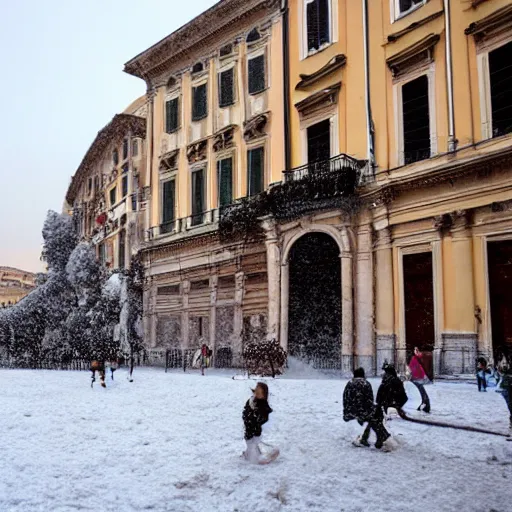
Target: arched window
column 253, row 36
column 171, row 83
column 198, row 67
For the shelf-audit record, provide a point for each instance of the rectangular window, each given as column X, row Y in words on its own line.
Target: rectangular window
column 256, row 71
column 113, row 196
column 135, row 147
column 168, row 206
column 416, row 120
column 404, row 6
column 225, row 181
column 125, row 168
column 125, row 149
column 226, row 88
column 255, row 171
column 122, row 249
column 500, row 77
column 199, row 102
column 198, row 197
column 115, row 157
column 319, row 142
column 89, row 186
column 318, row 24
column 171, row 115
column 124, row 186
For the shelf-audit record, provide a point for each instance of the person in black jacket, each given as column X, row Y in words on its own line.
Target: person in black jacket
column 255, row 415
column 358, row 405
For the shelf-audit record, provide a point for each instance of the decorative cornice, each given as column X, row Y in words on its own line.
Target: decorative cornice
column 497, row 20
column 337, row 62
column 329, row 95
column 421, row 50
column 397, row 35
column 211, row 23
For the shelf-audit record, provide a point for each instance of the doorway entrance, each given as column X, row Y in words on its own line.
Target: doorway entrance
column 314, row 315
column 499, row 258
column 419, row 303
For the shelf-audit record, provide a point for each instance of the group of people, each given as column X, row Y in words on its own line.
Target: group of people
column 359, row 404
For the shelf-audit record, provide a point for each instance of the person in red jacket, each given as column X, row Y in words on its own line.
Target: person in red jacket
column 419, row 378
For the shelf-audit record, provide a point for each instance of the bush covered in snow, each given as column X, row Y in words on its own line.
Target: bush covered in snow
column 266, row 358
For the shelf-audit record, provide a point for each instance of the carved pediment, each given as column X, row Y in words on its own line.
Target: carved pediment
column 337, row 62
column 419, row 53
column 497, row 21
column 224, row 139
column 197, row 151
column 397, row 35
column 321, row 99
column 255, row 127
column 169, row 161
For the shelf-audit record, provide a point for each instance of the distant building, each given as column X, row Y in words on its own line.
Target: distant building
column 105, row 195
column 14, row 285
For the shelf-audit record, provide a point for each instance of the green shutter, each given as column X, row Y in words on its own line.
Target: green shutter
column 255, row 168
column 199, row 102
column 225, row 181
column 257, row 81
column 226, row 88
column 168, row 199
column 197, row 197
column 171, row 115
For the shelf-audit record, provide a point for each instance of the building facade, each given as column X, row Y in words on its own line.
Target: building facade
column 106, row 195
column 14, row 285
column 391, row 225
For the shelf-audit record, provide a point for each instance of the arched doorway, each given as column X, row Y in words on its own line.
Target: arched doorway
column 314, row 314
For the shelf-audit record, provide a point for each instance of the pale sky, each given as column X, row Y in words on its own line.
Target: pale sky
column 61, row 81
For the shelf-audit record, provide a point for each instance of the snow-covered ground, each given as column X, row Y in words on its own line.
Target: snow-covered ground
column 172, row 442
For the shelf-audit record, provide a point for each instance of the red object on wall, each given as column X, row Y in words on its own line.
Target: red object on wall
column 101, row 218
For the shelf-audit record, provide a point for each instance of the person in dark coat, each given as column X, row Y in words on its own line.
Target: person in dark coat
column 481, row 373
column 255, row 415
column 358, row 405
column 505, row 387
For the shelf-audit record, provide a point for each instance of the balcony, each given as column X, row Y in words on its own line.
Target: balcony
column 312, row 187
column 192, row 224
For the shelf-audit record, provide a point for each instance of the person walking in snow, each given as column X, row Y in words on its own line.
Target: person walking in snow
column 419, row 378
column 205, row 354
column 481, row 373
column 358, row 405
column 505, row 387
column 255, row 415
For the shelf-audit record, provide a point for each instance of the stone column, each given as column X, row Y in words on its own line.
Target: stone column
column 460, row 339
column 384, row 298
column 238, row 321
column 347, row 315
column 273, row 277
column 364, row 345
column 185, row 321
column 213, row 313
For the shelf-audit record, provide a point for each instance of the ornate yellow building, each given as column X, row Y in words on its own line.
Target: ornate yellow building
column 14, row 285
column 391, row 225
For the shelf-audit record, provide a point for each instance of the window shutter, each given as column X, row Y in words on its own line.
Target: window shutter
column 323, row 22
column 199, row 102
column 226, row 88
column 318, row 26
column 113, row 196
column 171, row 115
column 225, row 181
column 312, row 25
column 125, row 149
column 168, row 206
column 256, row 170
column 125, row 186
column 257, row 82
column 197, row 197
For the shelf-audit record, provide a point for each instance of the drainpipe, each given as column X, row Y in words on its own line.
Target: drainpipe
column 286, row 84
column 370, row 149
column 452, row 141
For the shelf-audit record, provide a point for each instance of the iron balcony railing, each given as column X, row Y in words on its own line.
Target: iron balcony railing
column 335, row 164
column 184, row 224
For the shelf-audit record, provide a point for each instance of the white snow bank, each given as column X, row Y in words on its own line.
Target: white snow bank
column 172, row 441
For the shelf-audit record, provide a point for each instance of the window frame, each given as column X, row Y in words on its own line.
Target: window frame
column 135, row 147
column 484, row 81
column 226, row 69
column 398, row 83
column 162, row 186
column 229, row 156
column 112, row 190
column 124, row 184
column 125, row 149
column 332, row 6
column 202, row 214
column 396, row 14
